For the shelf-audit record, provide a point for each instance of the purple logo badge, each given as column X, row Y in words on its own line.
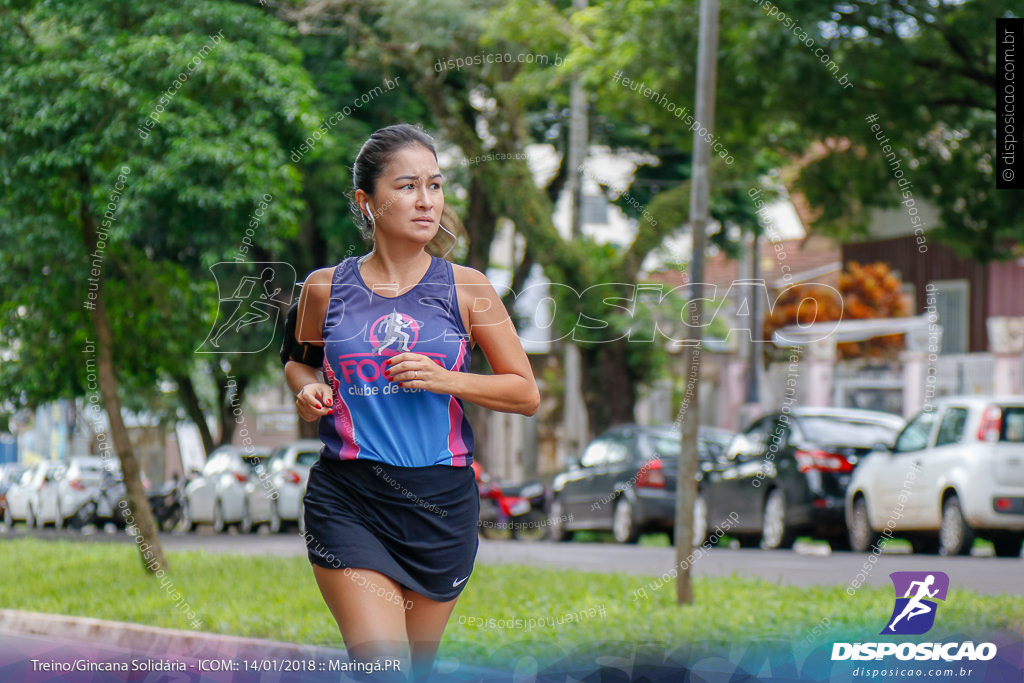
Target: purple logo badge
column 916, row 593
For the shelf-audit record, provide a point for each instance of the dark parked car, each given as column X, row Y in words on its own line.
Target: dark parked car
column 786, row 475
column 625, row 482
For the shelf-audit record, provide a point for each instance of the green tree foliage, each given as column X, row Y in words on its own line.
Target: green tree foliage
column 194, row 106
column 926, row 69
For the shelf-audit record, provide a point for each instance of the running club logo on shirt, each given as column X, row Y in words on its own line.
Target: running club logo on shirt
column 914, row 612
column 395, row 331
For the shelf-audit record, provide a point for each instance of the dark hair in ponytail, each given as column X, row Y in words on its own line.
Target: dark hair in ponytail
column 374, row 157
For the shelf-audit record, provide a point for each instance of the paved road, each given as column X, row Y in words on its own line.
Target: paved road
column 807, row 565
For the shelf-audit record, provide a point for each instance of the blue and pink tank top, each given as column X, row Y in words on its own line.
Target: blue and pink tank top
column 376, row 419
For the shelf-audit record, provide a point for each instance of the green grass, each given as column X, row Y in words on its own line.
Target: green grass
column 276, row 598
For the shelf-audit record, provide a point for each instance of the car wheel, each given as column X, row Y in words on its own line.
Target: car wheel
column 529, row 527
column 8, row 520
column 700, row 522
column 185, row 523
column 956, row 537
column 174, row 519
column 862, row 537
column 776, row 534
column 924, row 544
column 245, row 526
column 274, row 525
column 556, row 523
column 623, row 527
column 85, row 515
column 218, row 517
column 1008, row 545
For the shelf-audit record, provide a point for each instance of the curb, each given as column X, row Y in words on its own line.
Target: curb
column 172, row 643
column 151, row 638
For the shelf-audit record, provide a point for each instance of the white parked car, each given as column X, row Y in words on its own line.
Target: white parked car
column 274, row 493
column 218, row 495
column 80, row 490
column 955, row 472
column 21, row 495
column 89, row 488
column 10, row 473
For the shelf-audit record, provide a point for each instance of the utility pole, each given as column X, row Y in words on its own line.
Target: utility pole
column 700, row 217
column 575, row 408
column 753, row 391
column 577, row 142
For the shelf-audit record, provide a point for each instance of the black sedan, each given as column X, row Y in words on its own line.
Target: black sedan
column 625, row 482
column 786, row 475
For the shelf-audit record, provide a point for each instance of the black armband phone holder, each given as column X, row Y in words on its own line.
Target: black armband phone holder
column 301, row 352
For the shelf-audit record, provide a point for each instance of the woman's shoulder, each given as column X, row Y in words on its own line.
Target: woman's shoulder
column 464, row 275
column 318, row 283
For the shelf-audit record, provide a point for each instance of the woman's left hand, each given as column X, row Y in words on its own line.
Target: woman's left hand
column 416, row 371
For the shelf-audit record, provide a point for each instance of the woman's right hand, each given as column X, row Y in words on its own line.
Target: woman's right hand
column 313, row 401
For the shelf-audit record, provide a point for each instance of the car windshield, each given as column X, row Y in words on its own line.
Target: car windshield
column 669, row 444
column 1013, row 424
column 254, row 461
column 845, row 431
column 307, row 458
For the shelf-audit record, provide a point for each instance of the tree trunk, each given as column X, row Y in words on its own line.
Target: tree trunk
column 150, row 550
column 190, row 400
column 228, row 402
column 480, row 224
column 609, row 388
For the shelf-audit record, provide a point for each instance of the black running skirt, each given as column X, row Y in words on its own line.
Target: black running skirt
column 416, row 525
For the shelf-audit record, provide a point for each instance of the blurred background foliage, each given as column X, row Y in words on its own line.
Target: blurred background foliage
column 77, row 80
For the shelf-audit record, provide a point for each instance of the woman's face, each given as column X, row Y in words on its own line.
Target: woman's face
column 408, row 199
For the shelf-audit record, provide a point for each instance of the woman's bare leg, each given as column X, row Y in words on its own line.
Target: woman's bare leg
column 425, row 621
column 370, row 611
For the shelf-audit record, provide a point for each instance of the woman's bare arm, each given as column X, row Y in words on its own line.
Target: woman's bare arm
column 313, row 396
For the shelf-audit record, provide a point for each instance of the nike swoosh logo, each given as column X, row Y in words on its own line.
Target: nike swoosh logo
column 455, row 584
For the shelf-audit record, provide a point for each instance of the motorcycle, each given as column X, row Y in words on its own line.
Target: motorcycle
column 166, row 503
column 104, row 507
column 504, row 515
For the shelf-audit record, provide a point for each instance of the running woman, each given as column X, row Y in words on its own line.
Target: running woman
column 392, row 506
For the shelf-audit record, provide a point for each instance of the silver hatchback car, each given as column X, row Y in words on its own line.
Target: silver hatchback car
column 218, row 495
column 955, row 472
column 275, row 494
